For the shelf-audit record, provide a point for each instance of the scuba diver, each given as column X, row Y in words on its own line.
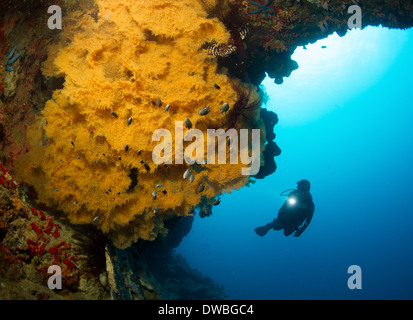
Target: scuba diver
column 296, row 213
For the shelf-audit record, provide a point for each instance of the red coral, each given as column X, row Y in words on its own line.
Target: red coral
column 49, row 227
column 42, row 241
column 36, row 228
column 56, row 233
column 7, row 181
column 69, row 264
column 42, row 215
column 41, row 249
column 53, row 250
column 35, row 249
column 56, row 260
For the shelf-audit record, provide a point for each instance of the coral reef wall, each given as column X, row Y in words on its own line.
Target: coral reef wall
column 91, row 148
column 73, row 99
column 152, row 270
column 31, row 241
column 270, row 36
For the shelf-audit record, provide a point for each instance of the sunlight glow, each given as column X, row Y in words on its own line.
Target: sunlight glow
column 328, row 78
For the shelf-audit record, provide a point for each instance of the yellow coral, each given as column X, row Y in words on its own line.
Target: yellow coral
column 132, row 53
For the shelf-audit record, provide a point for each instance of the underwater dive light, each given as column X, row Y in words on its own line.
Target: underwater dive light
column 292, row 201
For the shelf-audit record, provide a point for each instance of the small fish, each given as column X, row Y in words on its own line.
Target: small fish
column 114, row 114
column 147, row 168
column 216, row 86
column 77, row 158
column 155, row 210
column 191, row 209
column 187, row 173
column 164, row 192
column 141, row 161
column 159, row 185
column 91, row 131
column 11, row 61
column 103, row 154
column 118, row 192
column 201, row 188
column 204, row 111
column 224, row 107
column 139, row 152
column 119, row 158
column 167, row 108
column 191, row 178
column 217, row 202
column 153, row 102
column 188, row 123
column 126, row 147
column 11, row 53
column 159, row 102
column 129, row 120
column 154, row 194
column 71, row 141
column 95, row 219
column 75, row 203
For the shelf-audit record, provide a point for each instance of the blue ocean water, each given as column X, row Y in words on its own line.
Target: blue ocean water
column 346, row 125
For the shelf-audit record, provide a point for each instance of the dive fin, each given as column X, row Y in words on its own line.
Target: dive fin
column 262, row 231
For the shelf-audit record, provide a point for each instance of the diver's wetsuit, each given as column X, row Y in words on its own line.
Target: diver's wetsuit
column 292, row 217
